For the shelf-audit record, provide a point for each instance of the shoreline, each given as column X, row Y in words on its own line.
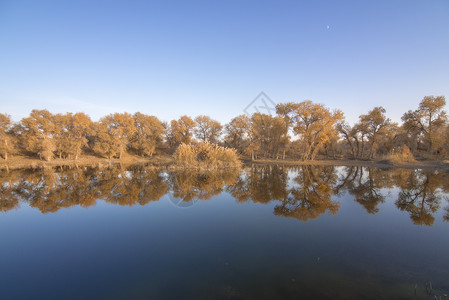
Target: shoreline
column 20, row 162
column 424, row 165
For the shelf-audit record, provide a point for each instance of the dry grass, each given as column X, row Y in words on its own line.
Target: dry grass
column 400, row 155
column 24, row 162
column 206, row 156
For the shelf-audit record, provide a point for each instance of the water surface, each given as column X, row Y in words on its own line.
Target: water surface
column 267, row 232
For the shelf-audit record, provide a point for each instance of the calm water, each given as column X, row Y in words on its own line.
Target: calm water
column 267, row 232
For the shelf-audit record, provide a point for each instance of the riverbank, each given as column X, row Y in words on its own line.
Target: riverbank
column 423, row 164
column 21, row 162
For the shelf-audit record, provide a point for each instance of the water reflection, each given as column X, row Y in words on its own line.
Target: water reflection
column 303, row 192
column 201, row 185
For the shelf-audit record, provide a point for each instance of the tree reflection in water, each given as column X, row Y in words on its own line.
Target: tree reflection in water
column 302, row 192
column 310, row 195
column 202, row 185
column 421, row 196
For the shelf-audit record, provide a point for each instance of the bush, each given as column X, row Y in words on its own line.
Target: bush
column 206, row 156
column 400, row 154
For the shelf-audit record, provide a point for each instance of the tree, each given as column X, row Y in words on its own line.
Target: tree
column 78, row 126
column 180, row 131
column 236, row 133
column 313, row 123
column 269, row 134
column 37, row 133
column 207, row 129
column 5, row 138
column 148, row 133
column 113, row 134
column 426, row 122
column 350, row 134
column 375, row 125
column 372, row 128
column 71, row 134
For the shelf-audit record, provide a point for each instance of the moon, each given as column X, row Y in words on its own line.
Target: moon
column 328, row 27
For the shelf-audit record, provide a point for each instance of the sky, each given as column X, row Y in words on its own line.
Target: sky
column 173, row 58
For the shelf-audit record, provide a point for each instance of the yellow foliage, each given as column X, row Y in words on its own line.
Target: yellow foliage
column 206, row 156
column 400, row 154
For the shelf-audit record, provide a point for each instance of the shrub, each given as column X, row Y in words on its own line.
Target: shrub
column 206, row 156
column 400, row 154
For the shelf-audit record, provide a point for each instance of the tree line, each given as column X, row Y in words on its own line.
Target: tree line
column 298, row 130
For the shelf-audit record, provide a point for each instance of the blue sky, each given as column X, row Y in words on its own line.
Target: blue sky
column 169, row 58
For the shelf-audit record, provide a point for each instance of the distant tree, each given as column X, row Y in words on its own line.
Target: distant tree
column 269, row 134
column 5, row 138
column 113, row 133
column 236, row 133
column 350, row 135
column 59, row 134
column 446, row 143
column 426, row 122
column 391, row 139
column 373, row 128
column 77, row 128
column 180, row 131
column 313, row 123
column 207, row 129
column 375, row 125
column 148, row 134
column 71, row 132
column 37, row 133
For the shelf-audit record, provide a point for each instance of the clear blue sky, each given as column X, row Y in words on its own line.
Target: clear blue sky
column 169, row 58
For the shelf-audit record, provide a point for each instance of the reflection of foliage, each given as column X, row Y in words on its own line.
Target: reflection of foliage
column 312, row 194
column 366, row 184
column 366, row 187
column 446, row 212
column 130, row 187
column 262, row 184
column 38, row 188
column 8, row 198
column 305, row 194
column 49, row 191
column 202, row 185
column 421, row 197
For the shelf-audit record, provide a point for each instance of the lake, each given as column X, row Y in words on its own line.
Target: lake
column 264, row 232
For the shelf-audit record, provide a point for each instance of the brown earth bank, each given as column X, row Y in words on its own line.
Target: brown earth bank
column 23, row 162
column 419, row 164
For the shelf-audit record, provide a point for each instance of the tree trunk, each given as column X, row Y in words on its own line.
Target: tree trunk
column 358, row 148
column 371, row 151
column 315, row 151
column 363, row 147
column 6, row 149
column 307, row 152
